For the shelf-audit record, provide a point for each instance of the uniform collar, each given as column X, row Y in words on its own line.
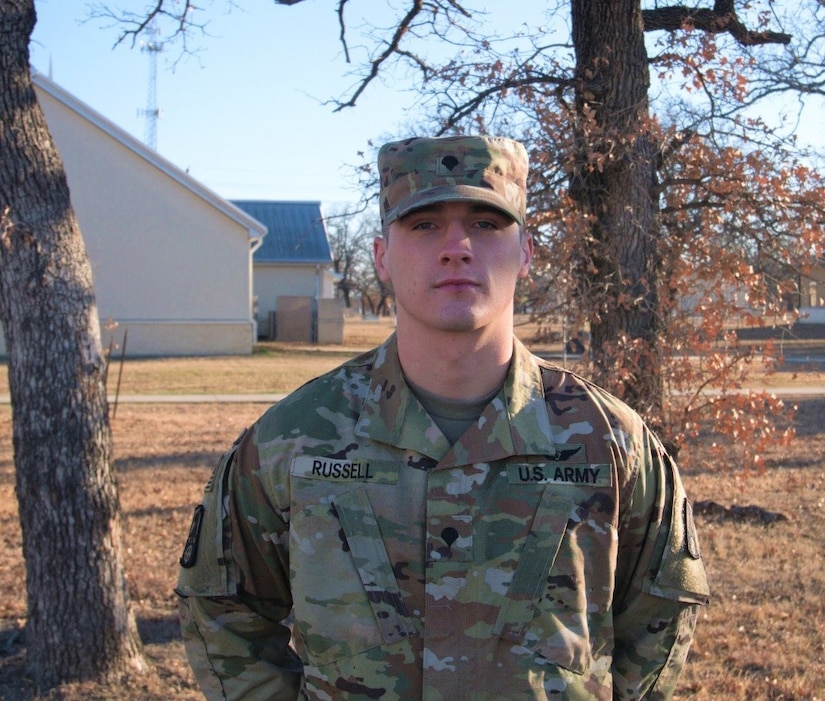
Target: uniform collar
column 515, row 422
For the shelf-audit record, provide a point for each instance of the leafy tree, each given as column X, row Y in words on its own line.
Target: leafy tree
column 80, row 625
column 664, row 199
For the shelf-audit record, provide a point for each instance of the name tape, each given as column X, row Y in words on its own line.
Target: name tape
column 593, row 475
column 314, row 467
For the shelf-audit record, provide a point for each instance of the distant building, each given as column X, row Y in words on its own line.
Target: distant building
column 172, row 261
column 812, row 294
column 294, row 281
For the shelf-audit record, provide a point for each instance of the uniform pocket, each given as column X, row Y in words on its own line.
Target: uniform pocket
column 553, row 588
column 346, row 597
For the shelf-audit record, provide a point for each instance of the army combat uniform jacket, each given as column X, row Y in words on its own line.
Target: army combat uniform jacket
column 549, row 553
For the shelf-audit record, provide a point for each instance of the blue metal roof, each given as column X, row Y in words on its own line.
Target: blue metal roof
column 296, row 231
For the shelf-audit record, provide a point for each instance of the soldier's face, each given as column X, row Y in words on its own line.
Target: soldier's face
column 454, row 265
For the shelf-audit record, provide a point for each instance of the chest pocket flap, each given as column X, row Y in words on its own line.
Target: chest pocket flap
column 373, row 564
column 555, row 629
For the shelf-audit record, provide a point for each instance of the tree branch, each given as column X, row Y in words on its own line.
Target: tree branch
column 342, row 25
column 141, row 22
column 461, row 111
column 393, row 47
column 721, row 19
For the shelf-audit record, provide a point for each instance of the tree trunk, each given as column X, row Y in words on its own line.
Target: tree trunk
column 614, row 185
column 80, row 624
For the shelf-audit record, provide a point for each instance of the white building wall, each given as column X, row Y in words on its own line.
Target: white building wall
column 328, row 286
column 168, row 265
column 273, row 280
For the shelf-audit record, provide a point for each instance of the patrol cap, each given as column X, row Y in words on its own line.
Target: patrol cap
column 422, row 171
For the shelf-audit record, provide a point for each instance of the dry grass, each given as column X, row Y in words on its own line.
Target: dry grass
column 761, row 638
column 280, row 367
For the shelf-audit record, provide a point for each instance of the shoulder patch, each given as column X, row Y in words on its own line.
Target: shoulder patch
column 190, row 550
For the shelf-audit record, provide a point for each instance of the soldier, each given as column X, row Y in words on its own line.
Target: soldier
column 447, row 516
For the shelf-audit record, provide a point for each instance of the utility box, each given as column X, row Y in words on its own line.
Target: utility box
column 295, row 319
column 330, row 327
column 308, row 320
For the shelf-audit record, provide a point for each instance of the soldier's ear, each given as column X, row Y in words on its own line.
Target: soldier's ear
column 380, row 254
column 526, row 254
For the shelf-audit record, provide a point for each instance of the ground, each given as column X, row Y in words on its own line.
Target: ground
column 761, row 637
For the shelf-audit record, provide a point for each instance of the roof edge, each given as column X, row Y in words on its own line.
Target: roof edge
column 254, row 228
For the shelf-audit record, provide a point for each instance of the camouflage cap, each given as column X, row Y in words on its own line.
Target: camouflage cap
column 421, row 171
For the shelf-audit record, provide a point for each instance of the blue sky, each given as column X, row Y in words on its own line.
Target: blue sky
column 245, row 116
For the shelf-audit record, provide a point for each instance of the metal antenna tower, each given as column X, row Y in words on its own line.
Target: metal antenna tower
column 152, row 113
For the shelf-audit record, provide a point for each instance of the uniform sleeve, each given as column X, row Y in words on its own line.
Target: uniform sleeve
column 661, row 580
column 234, row 587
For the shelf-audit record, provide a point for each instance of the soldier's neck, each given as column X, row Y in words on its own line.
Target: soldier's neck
column 462, row 366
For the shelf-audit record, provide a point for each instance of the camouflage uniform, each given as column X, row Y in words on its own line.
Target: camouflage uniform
column 549, row 553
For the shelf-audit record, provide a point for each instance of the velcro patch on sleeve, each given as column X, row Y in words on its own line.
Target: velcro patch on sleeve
column 190, row 550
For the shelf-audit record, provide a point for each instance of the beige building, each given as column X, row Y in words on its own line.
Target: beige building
column 812, row 294
column 172, row 260
column 294, row 280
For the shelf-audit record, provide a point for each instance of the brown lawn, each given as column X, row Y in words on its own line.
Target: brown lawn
column 763, row 636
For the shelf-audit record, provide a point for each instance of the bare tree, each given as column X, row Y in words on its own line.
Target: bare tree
column 350, row 238
column 621, row 171
column 80, row 625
